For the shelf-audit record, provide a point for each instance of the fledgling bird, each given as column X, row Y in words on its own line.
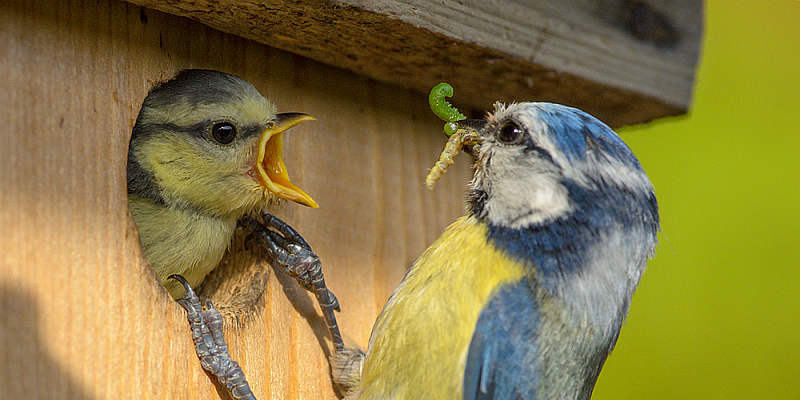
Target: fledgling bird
column 524, row 297
column 205, row 151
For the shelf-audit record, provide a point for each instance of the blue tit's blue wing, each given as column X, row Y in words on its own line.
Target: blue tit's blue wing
column 501, row 362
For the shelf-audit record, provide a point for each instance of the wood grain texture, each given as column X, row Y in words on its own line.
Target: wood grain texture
column 81, row 314
column 575, row 52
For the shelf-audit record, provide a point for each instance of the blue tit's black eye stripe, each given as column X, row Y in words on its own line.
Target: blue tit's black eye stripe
column 530, row 147
column 512, row 133
column 542, row 154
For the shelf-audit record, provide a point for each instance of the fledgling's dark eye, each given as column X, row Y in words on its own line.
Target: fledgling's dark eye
column 223, row 132
column 510, row 133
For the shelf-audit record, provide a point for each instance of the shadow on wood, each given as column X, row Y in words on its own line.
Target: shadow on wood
column 22, row 346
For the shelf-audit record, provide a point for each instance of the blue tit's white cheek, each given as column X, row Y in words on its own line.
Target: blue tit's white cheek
column 524, row 190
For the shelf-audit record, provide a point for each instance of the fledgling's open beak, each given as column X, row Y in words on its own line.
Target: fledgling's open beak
column 269, row 164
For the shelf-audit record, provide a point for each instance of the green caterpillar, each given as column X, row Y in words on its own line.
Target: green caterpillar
column 443, row 109
column 458, row 136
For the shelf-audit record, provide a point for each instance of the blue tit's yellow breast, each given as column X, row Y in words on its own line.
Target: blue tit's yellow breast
column 419, row 343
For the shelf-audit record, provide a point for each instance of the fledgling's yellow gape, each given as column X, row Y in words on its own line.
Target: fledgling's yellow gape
column 206, row 152
column 525, row 296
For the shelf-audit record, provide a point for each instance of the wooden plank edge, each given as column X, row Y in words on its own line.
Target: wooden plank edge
column 396, row 52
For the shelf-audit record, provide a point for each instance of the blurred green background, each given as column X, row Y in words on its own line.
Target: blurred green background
column 717, row 315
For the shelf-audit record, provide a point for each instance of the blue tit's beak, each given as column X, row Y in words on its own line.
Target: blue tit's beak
column 474, row 125
column 269, row 165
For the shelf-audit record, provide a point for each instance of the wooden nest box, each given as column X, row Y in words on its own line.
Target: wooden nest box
column 81, row 314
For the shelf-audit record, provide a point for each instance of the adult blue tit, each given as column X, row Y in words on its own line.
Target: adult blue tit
column 524, row 297
column 205, row 151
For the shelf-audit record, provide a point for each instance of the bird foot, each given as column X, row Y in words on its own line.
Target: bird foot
column 289, row 250
column 346, row 366
column 209, row 342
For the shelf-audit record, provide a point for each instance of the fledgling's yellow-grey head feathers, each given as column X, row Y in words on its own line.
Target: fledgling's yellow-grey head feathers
column 210, row 141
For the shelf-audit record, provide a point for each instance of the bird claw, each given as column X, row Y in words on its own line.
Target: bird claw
column 209, row 342
column 289, row 250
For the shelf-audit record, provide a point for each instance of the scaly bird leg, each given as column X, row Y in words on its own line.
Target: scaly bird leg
column 285, row 245
column 210, row 344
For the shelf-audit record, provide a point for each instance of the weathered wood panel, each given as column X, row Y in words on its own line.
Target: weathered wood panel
column 582, row 53
column 81, row 314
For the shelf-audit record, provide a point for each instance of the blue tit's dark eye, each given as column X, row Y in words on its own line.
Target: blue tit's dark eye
column 510, row 133
column 223, row 132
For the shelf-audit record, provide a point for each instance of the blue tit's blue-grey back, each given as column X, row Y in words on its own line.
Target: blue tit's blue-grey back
column 538, row 278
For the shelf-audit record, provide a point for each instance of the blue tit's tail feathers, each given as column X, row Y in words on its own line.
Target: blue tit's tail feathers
column 346, row 369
